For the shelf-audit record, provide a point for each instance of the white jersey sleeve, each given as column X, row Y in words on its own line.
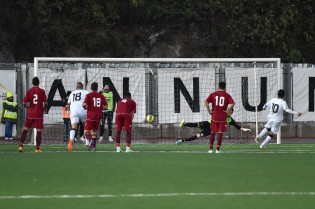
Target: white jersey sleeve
column 286, row 108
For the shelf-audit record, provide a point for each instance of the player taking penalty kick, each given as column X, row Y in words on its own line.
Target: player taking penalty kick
column 94, row 103
column 222, row 104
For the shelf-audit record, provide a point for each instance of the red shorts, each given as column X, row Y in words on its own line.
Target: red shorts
column 123, row 120
column 34, row 123
column 91, row 125
column 218, row 127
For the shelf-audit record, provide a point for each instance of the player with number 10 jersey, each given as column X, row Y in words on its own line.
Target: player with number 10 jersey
column 220, row 100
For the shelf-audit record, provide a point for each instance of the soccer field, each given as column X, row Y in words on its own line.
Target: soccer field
column 159, row 176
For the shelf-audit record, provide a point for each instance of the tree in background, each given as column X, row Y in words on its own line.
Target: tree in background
column 131, row 28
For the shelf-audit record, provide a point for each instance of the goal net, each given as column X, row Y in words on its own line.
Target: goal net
column 169, row 89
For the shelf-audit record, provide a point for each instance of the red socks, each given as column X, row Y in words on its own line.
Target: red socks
column 23, row 137
column 38, row 139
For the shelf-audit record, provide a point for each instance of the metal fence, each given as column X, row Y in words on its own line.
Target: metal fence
column 23, row 77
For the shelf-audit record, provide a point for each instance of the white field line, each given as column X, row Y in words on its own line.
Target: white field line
column 244, row 151
column 65, row 196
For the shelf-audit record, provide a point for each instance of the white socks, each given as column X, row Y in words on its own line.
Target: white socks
column 268, row 138
column 72, row 134
column 262, row 133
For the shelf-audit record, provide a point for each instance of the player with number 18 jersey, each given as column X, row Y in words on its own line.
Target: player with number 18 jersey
column 77, row 112
column 95, row 103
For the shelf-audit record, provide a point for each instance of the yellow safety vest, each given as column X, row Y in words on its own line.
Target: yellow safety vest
column 8, row 114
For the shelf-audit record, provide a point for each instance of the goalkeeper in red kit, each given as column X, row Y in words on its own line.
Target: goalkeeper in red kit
column 35, row 101
column 94, row 103
column 126, row 108
column 222, row 104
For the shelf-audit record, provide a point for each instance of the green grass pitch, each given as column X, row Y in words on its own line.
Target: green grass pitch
column 159, row 176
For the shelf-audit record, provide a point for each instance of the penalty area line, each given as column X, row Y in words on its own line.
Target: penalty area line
column 65, row 196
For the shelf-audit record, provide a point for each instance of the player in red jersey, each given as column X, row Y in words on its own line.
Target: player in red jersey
column 35, row 101
column 126, row 108
column 94, row 103
column 222, row 105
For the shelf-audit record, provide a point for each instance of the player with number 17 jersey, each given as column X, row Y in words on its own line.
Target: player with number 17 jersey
column 77, row 112
column 35, row 99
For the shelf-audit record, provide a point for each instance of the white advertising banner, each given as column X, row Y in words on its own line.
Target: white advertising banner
column 128, row 79
column 52, row 82
column 241, row 86
column 304, row 93
column 182, row 92
column 7, row 83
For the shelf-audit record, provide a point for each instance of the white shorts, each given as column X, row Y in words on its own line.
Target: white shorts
column 76, row 117
column 275, row 126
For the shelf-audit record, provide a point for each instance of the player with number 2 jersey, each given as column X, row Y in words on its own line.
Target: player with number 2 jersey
column 35, row 101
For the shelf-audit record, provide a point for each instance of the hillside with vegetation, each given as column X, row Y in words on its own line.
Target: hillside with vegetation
column 157, row 28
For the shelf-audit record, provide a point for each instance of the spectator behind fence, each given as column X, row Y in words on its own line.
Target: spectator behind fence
column 66, row 116
column 9, row 115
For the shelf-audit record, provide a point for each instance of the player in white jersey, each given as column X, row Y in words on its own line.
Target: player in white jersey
column 275, row 117
column 77, row 112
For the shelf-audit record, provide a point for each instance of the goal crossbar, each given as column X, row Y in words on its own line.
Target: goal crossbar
column 168, row 60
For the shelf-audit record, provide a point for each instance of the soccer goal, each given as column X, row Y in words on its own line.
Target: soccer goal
column 170, row 89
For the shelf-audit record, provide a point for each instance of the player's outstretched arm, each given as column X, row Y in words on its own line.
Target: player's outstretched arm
column 293, row 112
column 232, row 122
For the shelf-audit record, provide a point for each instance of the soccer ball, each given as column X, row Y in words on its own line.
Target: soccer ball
column 150, row 118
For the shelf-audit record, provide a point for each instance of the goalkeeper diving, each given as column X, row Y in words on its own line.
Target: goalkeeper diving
column 205, row 128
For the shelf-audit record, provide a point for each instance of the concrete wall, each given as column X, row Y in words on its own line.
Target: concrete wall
column 298, row 130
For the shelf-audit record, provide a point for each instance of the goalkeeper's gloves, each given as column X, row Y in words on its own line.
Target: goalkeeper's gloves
column 246, row 129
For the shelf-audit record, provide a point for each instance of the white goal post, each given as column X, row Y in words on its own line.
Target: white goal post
column 276, row 63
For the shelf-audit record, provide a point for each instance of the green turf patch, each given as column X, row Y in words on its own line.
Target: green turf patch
column 158, row 176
